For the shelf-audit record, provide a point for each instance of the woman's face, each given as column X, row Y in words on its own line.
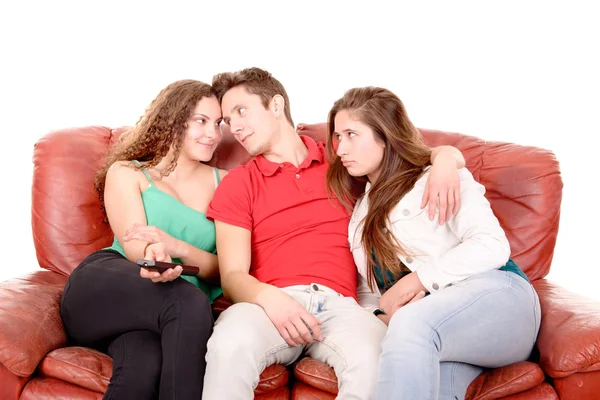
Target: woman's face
column 203, row 131
column 361, row 152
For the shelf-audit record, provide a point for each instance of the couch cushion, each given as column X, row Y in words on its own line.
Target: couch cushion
column 283, row 393
column 55, row 389
column 316, row 374
column 30, row 323
column 569, row 338
column 541, row 392
column 271, row 379
column 302, row 391
column 496, row 383
column 92, row 370
column 66, row 218
column 505, row 381
column 80, row 366
column 583, row 385
column 12, row 385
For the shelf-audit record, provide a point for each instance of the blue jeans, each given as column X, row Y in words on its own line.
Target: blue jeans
column 435, row 347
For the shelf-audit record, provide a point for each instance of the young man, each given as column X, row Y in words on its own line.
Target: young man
column 283, row 253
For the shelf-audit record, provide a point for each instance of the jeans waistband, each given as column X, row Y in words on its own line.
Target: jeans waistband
column 314, row 288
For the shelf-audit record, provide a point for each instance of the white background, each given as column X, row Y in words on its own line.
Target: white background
column 517, row 71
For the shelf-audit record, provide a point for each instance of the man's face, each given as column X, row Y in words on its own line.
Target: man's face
column 251, row 124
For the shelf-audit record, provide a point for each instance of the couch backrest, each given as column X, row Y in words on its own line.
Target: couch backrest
column 523, row 185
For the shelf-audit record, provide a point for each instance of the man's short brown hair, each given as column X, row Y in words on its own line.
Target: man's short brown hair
column 256, row 81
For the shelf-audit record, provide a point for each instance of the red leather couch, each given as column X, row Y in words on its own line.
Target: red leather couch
column 523, row 185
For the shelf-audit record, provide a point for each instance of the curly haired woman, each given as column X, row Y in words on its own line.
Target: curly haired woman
column 154, row 188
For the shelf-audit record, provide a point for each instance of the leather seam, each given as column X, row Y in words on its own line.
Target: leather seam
column 581, row 369
column 496, row 388
column 79, row 367
column 272, row 378
column 315, row 376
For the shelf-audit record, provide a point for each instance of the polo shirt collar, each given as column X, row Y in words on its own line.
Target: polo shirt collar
column 268, row 168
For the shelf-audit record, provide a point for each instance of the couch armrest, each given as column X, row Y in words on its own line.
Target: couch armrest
column 569, row 338
column 30, row 322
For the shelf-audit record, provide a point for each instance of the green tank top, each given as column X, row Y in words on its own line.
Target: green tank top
column 180, row 221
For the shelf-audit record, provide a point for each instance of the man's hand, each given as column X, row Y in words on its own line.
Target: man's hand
column 152, row 234
column 157, row 252
column 293, row 321
column 443, row 184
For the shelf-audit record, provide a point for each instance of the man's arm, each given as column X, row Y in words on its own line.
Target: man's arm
column 289, row 317
column 234, row 253
column 443, row 182
column 448, row 153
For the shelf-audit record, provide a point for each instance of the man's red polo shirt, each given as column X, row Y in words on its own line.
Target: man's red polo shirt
column 299, row 234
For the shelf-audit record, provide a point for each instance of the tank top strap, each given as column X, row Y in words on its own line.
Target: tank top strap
column 217, row 177
column 137, row 164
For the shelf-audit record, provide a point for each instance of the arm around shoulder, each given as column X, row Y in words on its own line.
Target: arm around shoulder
column 448, row 153
column 483, row 244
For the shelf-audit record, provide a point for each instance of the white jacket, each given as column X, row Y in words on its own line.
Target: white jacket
column 470, row 243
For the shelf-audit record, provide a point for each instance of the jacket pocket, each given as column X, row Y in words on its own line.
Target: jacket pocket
column 411, row 222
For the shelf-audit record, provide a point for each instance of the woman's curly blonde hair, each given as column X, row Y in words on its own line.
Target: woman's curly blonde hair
column 162, row 127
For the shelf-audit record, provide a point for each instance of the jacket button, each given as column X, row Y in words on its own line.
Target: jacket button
column 435, row 286
column 405, row 212
column 409, row 259
column 315, row 287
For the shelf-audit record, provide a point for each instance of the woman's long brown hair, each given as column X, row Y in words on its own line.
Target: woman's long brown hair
column 405, row 156
column 162, row 126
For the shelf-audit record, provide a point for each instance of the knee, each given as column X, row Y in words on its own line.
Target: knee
column 408, row 327
column 194, row 309
column 360, row 364
column 363, row 360
column 234, row 332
